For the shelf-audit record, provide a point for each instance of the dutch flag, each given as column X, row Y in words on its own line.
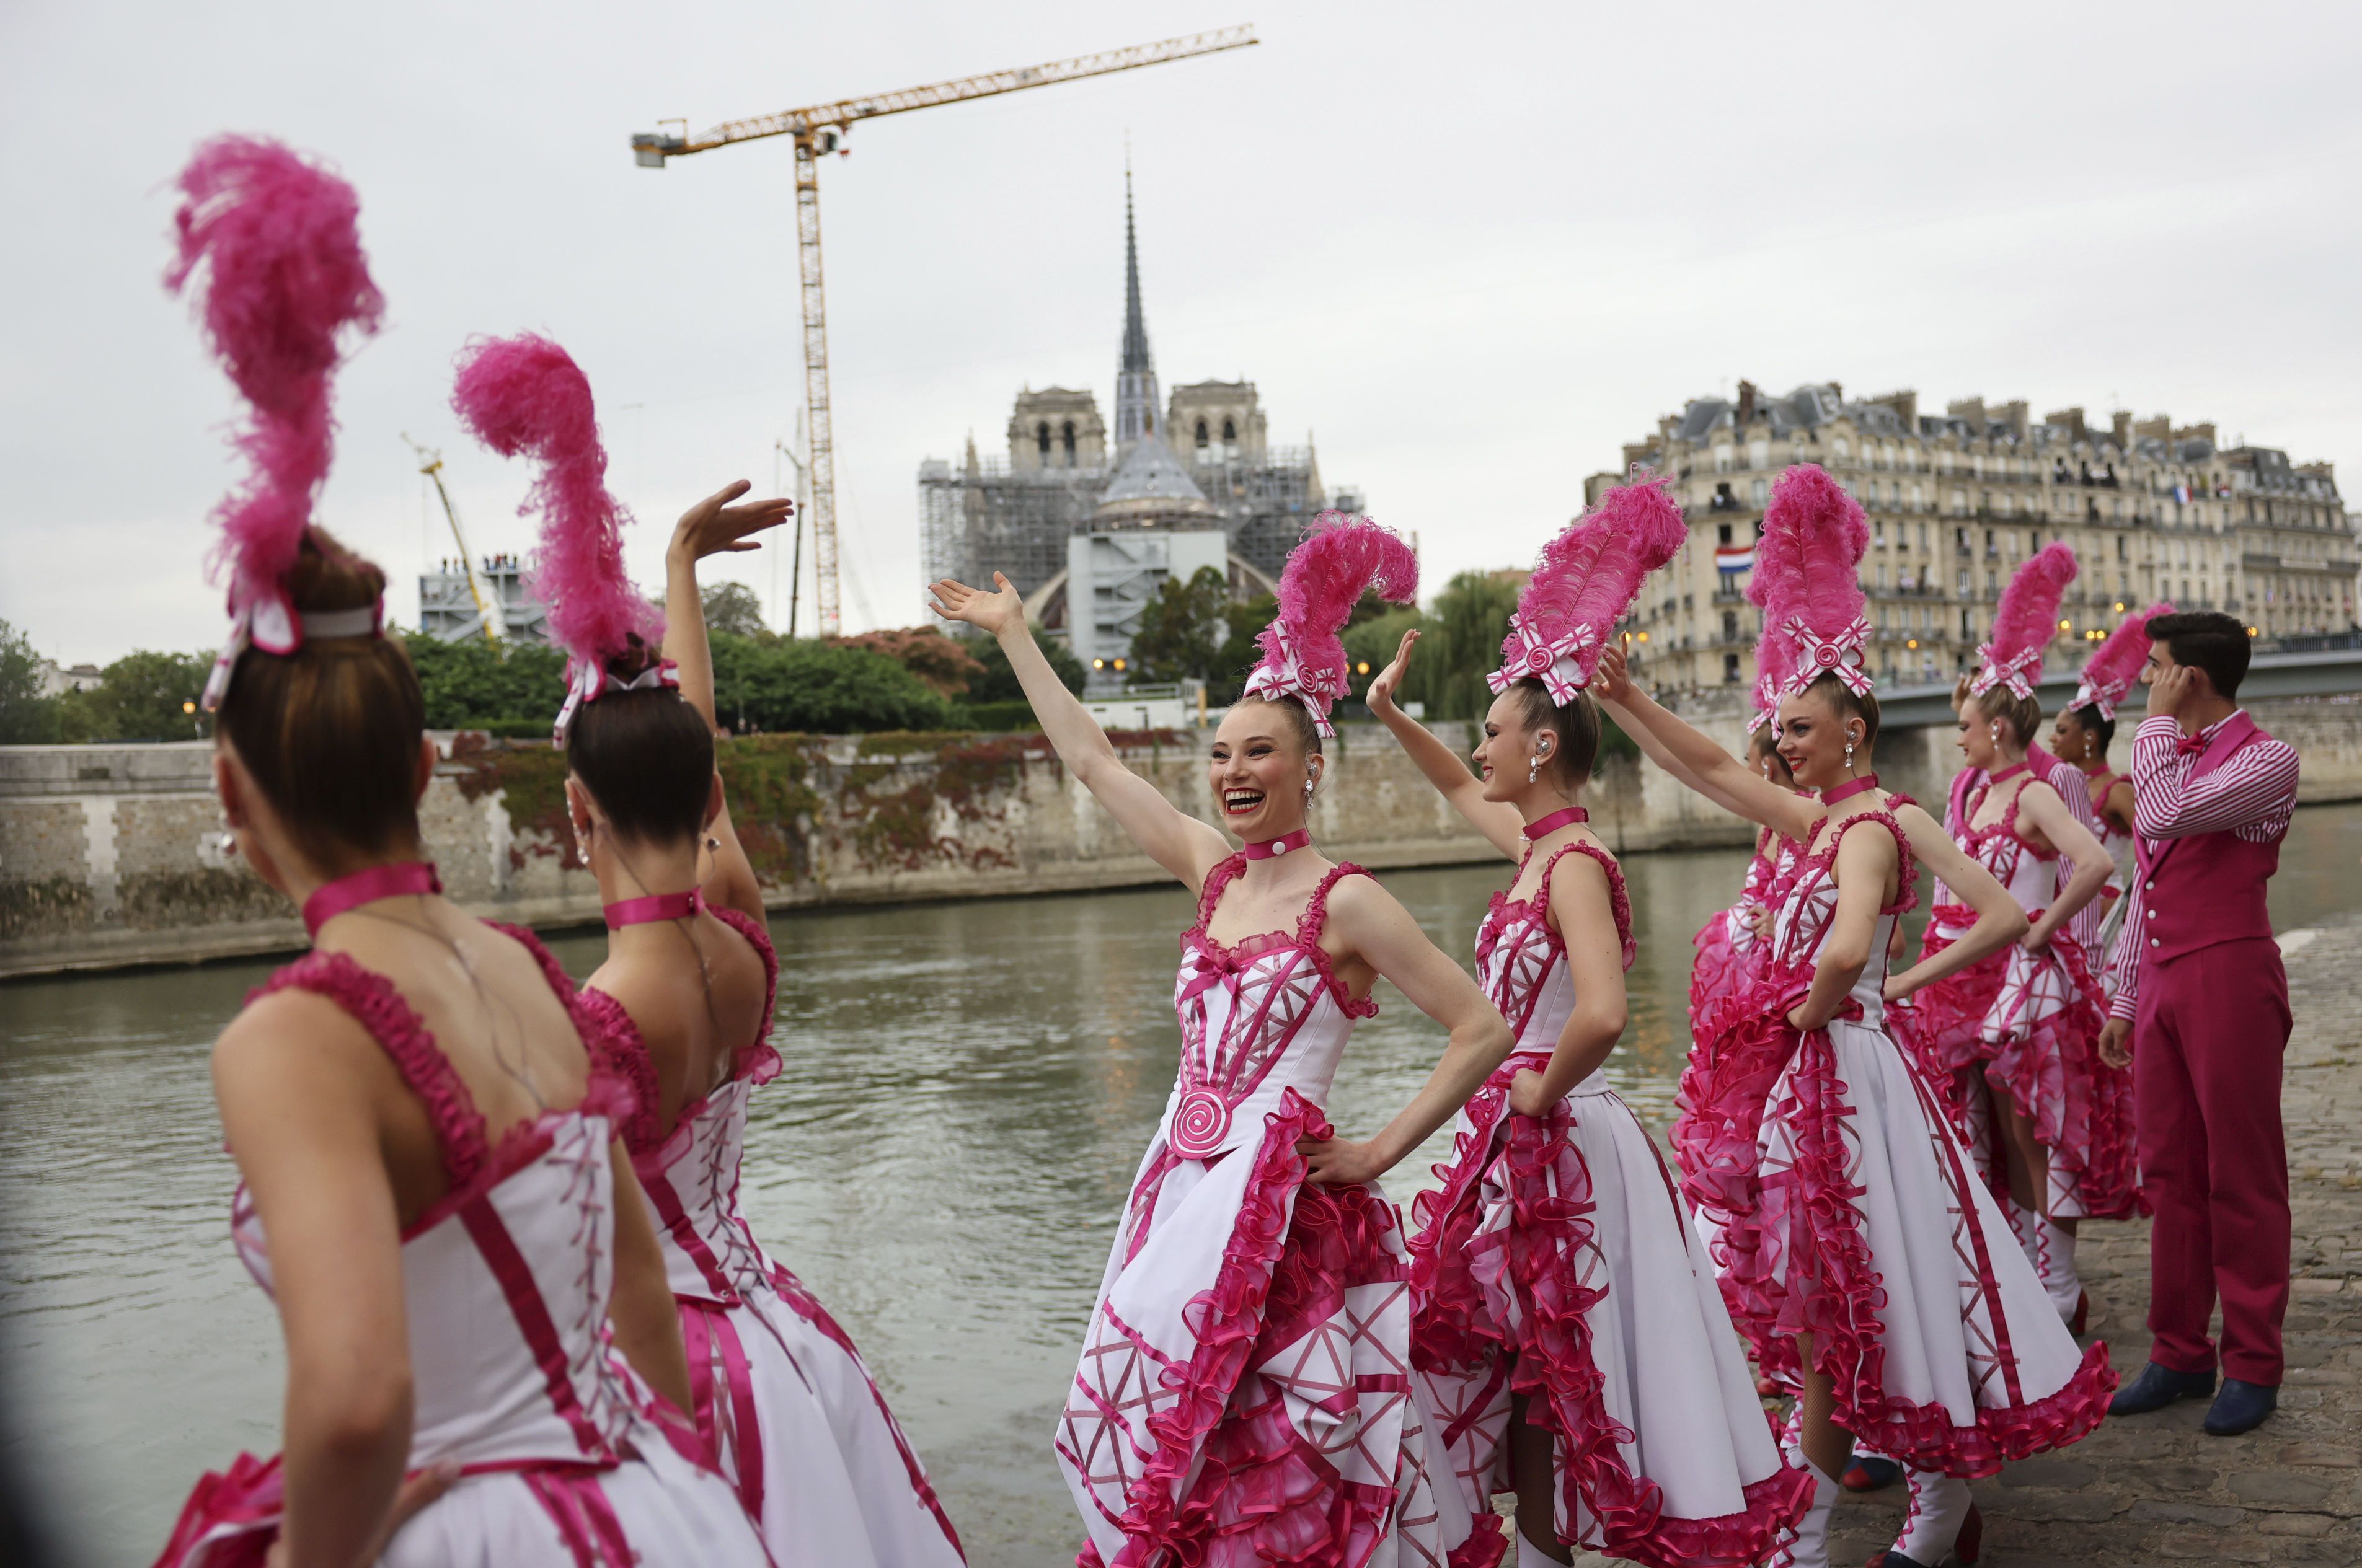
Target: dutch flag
column 1734, row 557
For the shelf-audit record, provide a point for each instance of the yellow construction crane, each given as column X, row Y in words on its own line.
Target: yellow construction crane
column 822, row 128
column 430, row 463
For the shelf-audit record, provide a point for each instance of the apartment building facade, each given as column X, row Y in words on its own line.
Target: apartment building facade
column 1956, row 500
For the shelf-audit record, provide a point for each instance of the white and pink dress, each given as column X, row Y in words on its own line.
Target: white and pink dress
column 1557, row 1263
column 1245, row 1396
column 2030, row 1022
column 782, row 1398
column 506, row 1281
column 1847, row 1208
column 2096, row 924
column 1727, row 941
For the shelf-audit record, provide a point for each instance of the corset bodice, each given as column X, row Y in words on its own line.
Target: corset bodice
column 690, row 1174
column 1521, row 958
column 506, row 1278
column 2031, row 875
column 1800, row 926
column 1258, row 1018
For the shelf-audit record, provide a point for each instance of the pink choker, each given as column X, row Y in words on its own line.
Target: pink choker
column 1266, row 849
column 1849, row 789
column 655, row 906
column 1541, row 828
column 410, row 879
column 2009, row 772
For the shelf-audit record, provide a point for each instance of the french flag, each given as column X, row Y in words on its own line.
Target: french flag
column 1734, row 557
column 2181, row 494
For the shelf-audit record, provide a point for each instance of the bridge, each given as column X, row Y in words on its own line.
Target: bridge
column 2298, row 666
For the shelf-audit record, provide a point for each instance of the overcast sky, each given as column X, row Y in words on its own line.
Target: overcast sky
column 1471, row 248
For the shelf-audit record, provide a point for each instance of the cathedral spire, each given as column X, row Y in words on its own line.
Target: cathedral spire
column 1135, row 381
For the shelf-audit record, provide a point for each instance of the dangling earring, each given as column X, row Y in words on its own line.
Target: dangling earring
column 712, row 845
column 1993, row 728
column 1849, row 755
column 1533, row 769
column 1308, row 787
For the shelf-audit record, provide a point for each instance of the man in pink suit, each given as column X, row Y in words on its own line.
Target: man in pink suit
column 2202, row 997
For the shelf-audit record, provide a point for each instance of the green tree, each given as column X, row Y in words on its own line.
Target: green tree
column 800, row 684
column 999, row 682
column 26, row 716
column 143, row 695
column 1240, row 652
column 1463, row 644
column 943, row 664
column 732, row 607
column 1372, row 642
column 1182, row 631
column 472, row 684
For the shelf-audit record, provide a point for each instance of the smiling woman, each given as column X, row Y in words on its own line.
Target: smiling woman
column 1255, row 1238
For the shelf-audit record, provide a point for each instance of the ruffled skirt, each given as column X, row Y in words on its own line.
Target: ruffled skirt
column 1556, row 1264
column 1245, row 1396
column 1717, row 965
column 795, row 1420
column 1848, row 1210
column 659, row 1510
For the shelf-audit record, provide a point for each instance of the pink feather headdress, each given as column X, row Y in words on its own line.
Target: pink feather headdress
column 2109, row 674
column 1342, row 556
column 524, row 394
column 285, row 278
column 2023, row 622
column 1807, row 568
column 1586, row 580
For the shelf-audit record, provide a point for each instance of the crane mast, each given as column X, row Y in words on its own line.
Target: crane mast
column 820, row 128
column 430, row 463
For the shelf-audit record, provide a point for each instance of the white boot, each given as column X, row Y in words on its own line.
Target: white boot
column 2027, row 1226
column 2057, row 1265
column 1810, row 1546
column 1940, row 1506
column 1532, row 1556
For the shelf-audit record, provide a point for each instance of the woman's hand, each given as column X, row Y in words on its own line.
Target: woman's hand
column 1612, row 682
column 417, row 1491
column 714, row 527
column 1338, row 1162
column 1527, row 1095
column 993, row 612
column 1381, row 695
column 1898, row 987
column 1796, row 1017
column 2037, row 937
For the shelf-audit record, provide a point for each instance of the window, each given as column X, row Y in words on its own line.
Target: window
column 1881, row 576
column 2121, row 542
column 1041, row 439
column 1923, row 527
column 1838, row 449
column 1722, row 534
column 1915, row 501
column 1758, row 454
column 1759, row 492
column 1230, row 433
column 1878, row 534
column 1722, row 459
column 1066, row 433
column 1731, row 669
column 1731, row 626
column 1204, row 435
column 1959, row 503
column 1992, row 582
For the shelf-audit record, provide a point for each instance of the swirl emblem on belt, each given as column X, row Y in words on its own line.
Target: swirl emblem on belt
column 1200, row 1123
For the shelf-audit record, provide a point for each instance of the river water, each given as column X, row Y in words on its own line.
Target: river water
column 969, row 1090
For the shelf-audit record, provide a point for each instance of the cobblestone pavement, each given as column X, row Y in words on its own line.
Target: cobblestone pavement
column 2154, row 1489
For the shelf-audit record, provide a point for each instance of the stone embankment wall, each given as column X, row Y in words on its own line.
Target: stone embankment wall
column 109, row 854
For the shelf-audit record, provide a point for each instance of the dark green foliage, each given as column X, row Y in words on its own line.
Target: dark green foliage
column 473, row 685
column 1461, row 645
column 26, row 717
column 999, row 682
column 996, row 717
column 143, row 697
column 775, row 683
column 1239, row 653
column 1182, row 631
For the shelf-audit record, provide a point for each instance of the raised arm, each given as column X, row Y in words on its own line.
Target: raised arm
column 1999, row 919
column 1169, row 836
column 1583, row 912
column 2171, row 802
column 1503, row 828
column 2041, row 806
column 1364, row 919
column 1692, row 756
column 712, row 527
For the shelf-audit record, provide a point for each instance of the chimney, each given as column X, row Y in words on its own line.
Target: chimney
column 1969, row 408
column 1905, row 404
column 2071, row 418
column 2120, row 424
column 2157, row 429
column 1636, row 452
column 1746, row 403
column 2014, row 411
column 2204, row 433
column 1839, row 388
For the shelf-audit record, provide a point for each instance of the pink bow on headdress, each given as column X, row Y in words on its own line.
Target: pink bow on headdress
column 1555, row 661
column 2110, row 672
column 2016, row 673
column 270, row 622
column 1841, row 655
column 588, row 681
column 1317, row 689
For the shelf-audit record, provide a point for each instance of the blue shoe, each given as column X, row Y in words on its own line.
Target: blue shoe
column 1868, row 1473
column 2158, row 1387
column 2241, row 1407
